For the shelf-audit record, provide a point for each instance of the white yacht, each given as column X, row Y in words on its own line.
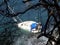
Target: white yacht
column 30, row 26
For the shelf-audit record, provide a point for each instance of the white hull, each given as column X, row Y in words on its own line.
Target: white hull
column 27, row 26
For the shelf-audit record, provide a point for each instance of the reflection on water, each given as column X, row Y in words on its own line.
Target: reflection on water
column 32, row 40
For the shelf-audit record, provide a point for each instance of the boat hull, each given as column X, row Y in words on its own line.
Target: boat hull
column 27, row 26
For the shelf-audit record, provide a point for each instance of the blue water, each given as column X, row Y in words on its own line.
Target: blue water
column 18, row 6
